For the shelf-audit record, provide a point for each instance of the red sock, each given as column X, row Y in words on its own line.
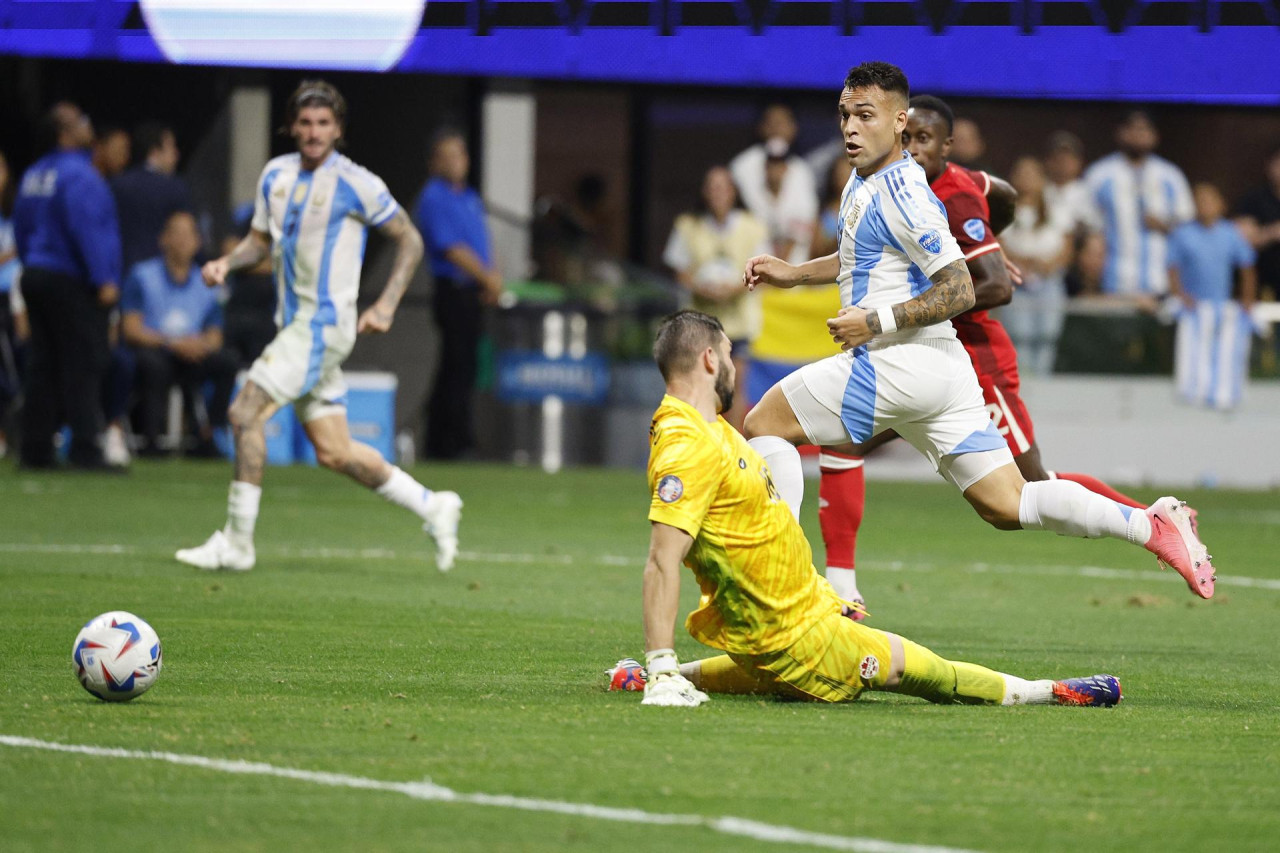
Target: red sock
column 840, row 499
column 1095, row 485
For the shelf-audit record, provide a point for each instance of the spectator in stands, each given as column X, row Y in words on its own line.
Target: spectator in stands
column 1258, row 216
column 451, row 217
column 173, row 322
column 1207, row 257
column 111, row 152
column 707, row 251
column 1139, row 198
column 148, row 192
column 1064, row 193
column 10, row 378
column 787, row 215
column 827, row 228
column 1088, row 262
column 968, row 148
column 1040, row 245
column 68, row 240
column 777, row 130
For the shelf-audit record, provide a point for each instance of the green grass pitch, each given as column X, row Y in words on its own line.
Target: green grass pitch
column 345, row 651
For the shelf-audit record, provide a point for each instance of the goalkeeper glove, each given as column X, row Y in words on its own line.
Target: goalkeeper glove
column 666, row 687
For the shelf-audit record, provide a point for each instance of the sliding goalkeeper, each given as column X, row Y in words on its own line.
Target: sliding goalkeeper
column 714, row 507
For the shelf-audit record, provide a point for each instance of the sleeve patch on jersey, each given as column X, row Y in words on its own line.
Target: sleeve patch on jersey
column 670, row 489
column 870, row 667
column 931, row 242
column 975, row 229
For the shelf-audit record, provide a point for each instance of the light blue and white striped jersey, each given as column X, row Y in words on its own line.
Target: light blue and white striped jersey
column 318, row 222
column 893, row 236
column 1123, row 194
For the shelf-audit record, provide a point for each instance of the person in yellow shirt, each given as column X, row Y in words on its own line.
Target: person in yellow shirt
column 714, row 508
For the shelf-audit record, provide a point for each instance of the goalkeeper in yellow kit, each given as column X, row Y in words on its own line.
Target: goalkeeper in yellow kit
column 714, row 508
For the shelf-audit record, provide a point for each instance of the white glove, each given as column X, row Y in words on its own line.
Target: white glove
column 666, row 687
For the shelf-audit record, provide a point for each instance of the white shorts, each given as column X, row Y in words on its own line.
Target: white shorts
column 924, row 389
column 303, row 366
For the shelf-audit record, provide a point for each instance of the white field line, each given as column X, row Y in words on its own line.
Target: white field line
column 1102, row 572
column 432, row 792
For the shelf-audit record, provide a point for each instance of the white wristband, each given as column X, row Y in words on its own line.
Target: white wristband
column 888, row 324
column 660, row 662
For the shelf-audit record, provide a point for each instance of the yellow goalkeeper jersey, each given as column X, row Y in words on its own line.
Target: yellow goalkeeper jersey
column 760, row 591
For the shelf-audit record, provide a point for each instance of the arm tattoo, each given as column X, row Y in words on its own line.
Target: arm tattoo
column 951, row 294
column 249, row 252
column 408, row 254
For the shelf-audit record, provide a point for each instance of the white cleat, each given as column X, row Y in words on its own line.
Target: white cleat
column 444, row 511
column 219, row 552
column 115, row 448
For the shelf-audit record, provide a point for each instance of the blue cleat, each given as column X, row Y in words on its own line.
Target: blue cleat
column 1100, row 691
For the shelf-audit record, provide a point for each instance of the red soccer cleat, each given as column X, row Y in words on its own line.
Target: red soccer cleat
column 627, row 674
column 1174, row 542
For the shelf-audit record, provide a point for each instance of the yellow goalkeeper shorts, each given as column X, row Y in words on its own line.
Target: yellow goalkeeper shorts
column 833, row 662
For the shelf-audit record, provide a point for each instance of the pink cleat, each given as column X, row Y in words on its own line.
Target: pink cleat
column 856, row 610
column 1174, row 542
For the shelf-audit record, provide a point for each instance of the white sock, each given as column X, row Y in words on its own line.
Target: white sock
column 402, row 490
column 242, row 512
column 844, row 582
column 1069, row 509
column 1019, row 691
column 784, row 466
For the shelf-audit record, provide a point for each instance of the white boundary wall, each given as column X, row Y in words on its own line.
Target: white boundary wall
column 1133, row 431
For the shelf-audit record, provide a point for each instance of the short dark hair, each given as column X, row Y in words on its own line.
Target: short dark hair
column 934, row 104
column 681, row 338
column 443, row 134
column 147, row 137
column 52, row 124
column 316, row 93
column 882, row 75
column 1136, row 115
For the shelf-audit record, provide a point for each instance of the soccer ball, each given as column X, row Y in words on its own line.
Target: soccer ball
column 116, row 656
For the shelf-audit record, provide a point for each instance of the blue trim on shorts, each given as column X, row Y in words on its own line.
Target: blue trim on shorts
column 978, row 441
column 858, row 408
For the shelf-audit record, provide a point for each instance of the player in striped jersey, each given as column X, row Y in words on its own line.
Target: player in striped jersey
column 902, row 277
column 312, row 214
column 714, row 507
column 991, row 351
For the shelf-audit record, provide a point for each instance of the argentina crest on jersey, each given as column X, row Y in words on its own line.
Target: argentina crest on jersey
column 861, row 197
column 975, row 229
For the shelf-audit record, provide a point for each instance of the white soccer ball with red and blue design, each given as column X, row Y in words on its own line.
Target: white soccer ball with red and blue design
column 116, row 656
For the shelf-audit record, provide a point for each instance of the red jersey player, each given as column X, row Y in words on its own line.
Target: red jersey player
column 965, row 195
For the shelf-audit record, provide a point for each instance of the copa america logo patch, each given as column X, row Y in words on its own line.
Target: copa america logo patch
column 975, row 229
column 869, row 667
column 670, row 489
column 931, row 242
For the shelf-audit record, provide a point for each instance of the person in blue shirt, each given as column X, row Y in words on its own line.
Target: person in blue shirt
column 68, row 240
column 1212, row 270
column 450, row 216
column 149, row 192
column 10, row 378
column 174, row 325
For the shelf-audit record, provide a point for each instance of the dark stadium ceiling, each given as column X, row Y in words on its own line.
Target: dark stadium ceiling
column 1214, row 51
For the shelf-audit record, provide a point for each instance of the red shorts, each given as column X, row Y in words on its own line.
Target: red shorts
column 996, row 362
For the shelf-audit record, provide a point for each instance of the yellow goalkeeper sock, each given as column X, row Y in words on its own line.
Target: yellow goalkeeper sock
column 947, row 682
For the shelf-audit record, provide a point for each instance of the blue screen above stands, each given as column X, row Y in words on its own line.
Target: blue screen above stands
column 1213, row 51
